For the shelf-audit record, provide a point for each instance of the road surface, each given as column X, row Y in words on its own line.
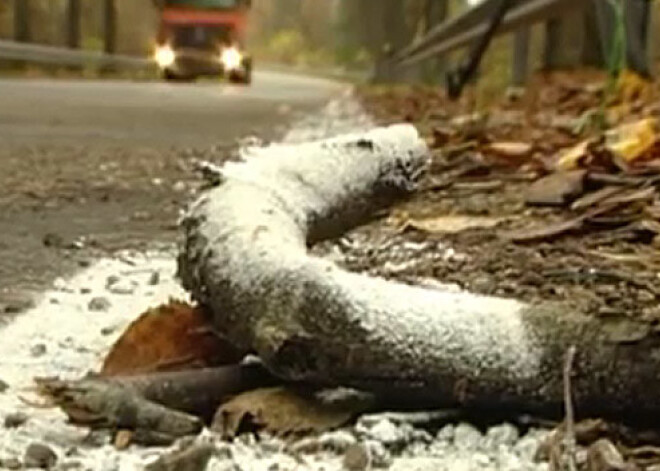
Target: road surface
column 91, row 167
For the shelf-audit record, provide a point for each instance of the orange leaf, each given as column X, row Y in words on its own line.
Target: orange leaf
column 171, row 337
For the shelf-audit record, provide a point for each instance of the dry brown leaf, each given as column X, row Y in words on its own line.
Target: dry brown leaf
column 281, row 411
column 450, row 224
column 170, row 337
column 556, row 189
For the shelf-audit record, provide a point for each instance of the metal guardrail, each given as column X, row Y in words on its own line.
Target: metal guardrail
column 37, row 53
column 464, row 29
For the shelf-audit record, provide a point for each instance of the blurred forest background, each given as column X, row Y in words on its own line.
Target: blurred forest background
column 347, row 34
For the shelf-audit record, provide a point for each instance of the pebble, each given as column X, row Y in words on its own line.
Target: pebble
column 527, row 447
column 17, row 306
column 154, row 279
column 99, row 304
column 268, row 444
column 191, row 458
column 123, row 287
column 357, row 458
column 69, row 465
column 3, row 386
column 446, row 433
column 380, row 457
column 419, row 435
column 338, row 441
column 38, row 350
column 10, row 463
column 306, row 446
column 467, row 437
column 52, row 240
column 15, row 419
column 426, row 464
column 111, row 280
column 60, row 284
column 179, row 187
column 500, row 435
column 385, row 432
column 108, row 330
column 40, row 456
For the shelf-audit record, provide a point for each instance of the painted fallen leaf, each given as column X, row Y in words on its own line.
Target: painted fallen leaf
column 450, row 224
column 282, row 411
column 170, row 337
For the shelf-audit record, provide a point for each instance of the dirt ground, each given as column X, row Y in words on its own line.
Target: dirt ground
column 608, row 267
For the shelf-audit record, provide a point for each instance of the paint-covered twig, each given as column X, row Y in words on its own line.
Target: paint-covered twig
column 245, row 257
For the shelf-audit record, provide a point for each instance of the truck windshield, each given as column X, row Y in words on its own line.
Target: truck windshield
column 205, row 4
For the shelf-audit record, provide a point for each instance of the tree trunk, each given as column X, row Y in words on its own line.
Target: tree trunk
column 22, row 32
column 245, row 258
column 109, row 27
column 73, row 24
column 521, row 43
column 551, row 49
column 592, row 52
column 637, row 17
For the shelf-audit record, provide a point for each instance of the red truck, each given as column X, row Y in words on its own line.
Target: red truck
column 203, row 37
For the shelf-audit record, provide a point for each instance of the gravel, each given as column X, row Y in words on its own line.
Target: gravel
column 39, row 455
column 76, row 336
column 99, row 304
column 15, row 419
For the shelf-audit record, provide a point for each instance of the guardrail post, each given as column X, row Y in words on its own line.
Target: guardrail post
column 521, row 40
column 22, row 15
column 73, row 24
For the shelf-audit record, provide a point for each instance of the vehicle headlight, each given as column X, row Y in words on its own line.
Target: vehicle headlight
column 231, row 58
column 164, row 56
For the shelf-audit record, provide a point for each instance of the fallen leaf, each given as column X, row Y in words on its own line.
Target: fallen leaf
column 510, row 150
column 556, row 189
column 282, row 411
column 547, row 231
column 631, row 141
column 631, row 196
column 552, row 230
column 572, row 158
column 595, row 197
column 450, row 224
column 170, row 337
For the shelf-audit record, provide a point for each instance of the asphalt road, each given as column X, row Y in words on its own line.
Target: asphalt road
column 157, row 113
column 91, row 167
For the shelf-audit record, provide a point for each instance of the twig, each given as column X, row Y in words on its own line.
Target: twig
column 569, row 436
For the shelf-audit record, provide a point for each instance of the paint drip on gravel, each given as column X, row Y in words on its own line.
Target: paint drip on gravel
column 74, row 324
